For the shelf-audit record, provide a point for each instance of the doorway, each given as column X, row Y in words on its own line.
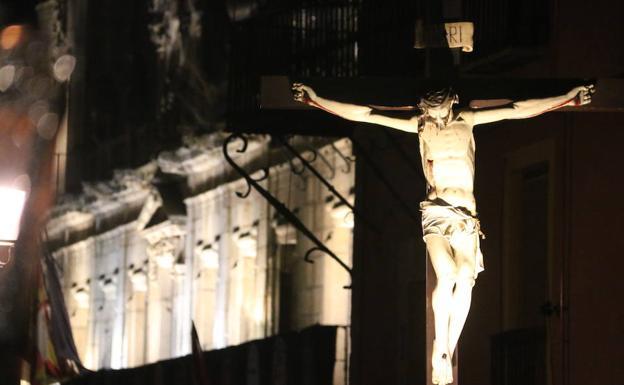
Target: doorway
column 521, row 353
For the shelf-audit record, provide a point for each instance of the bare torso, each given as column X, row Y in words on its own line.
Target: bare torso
column 448, row 161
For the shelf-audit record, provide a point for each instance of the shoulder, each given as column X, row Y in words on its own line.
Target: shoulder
column 465, row 116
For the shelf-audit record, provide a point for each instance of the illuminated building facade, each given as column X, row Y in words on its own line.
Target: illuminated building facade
column 233, row 266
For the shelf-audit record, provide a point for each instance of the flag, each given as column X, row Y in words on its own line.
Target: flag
column 53, row 354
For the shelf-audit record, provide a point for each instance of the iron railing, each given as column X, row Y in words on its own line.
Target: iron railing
column 313, row 39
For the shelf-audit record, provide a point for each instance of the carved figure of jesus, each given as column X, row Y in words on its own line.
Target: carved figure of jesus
column 451, row 230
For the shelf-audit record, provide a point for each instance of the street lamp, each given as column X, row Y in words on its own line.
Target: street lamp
column 11, row 207
column 31, row 104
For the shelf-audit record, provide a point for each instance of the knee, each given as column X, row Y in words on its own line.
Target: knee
column 447, row 279
column 465, row 277
column 443, row 290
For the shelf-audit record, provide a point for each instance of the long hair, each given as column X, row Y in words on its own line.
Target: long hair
column 437, row 98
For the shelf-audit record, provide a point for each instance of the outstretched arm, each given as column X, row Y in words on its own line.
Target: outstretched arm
column 305, row 94
column 529, row 108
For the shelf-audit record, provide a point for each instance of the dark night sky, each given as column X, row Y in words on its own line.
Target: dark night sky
column 17, row 11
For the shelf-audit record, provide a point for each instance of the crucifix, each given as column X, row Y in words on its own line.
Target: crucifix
column 451, row 228
column 379, row 302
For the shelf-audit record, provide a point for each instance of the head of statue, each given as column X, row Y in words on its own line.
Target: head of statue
column 438, row 105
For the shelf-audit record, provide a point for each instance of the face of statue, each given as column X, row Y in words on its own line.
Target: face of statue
column 438, row 106
column 439, row 113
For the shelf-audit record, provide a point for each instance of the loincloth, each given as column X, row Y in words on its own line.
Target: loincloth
column 453, row 223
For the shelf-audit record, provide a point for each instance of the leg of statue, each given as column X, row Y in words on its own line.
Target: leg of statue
column 464, row 248
column 445, row 268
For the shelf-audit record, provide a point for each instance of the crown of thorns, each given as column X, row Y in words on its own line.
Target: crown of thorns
column 437, row 98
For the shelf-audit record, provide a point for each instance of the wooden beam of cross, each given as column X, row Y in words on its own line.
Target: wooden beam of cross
column 275, row 91
column 279, row 113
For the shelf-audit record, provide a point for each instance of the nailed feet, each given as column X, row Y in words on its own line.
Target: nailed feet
column 442, row 368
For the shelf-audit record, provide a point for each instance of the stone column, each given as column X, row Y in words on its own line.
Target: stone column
column 136, row 270
column 222, row 210
column 205, row 229
column 246, row 308
column 108, row 290
column 75, row 261
column 165, row 245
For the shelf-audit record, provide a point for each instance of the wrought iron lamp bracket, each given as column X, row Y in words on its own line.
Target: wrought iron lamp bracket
column 347, row 160
column 279, row 206
column 308, row 258
column 245, row 194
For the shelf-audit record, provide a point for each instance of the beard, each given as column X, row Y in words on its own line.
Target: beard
column 439, row 123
